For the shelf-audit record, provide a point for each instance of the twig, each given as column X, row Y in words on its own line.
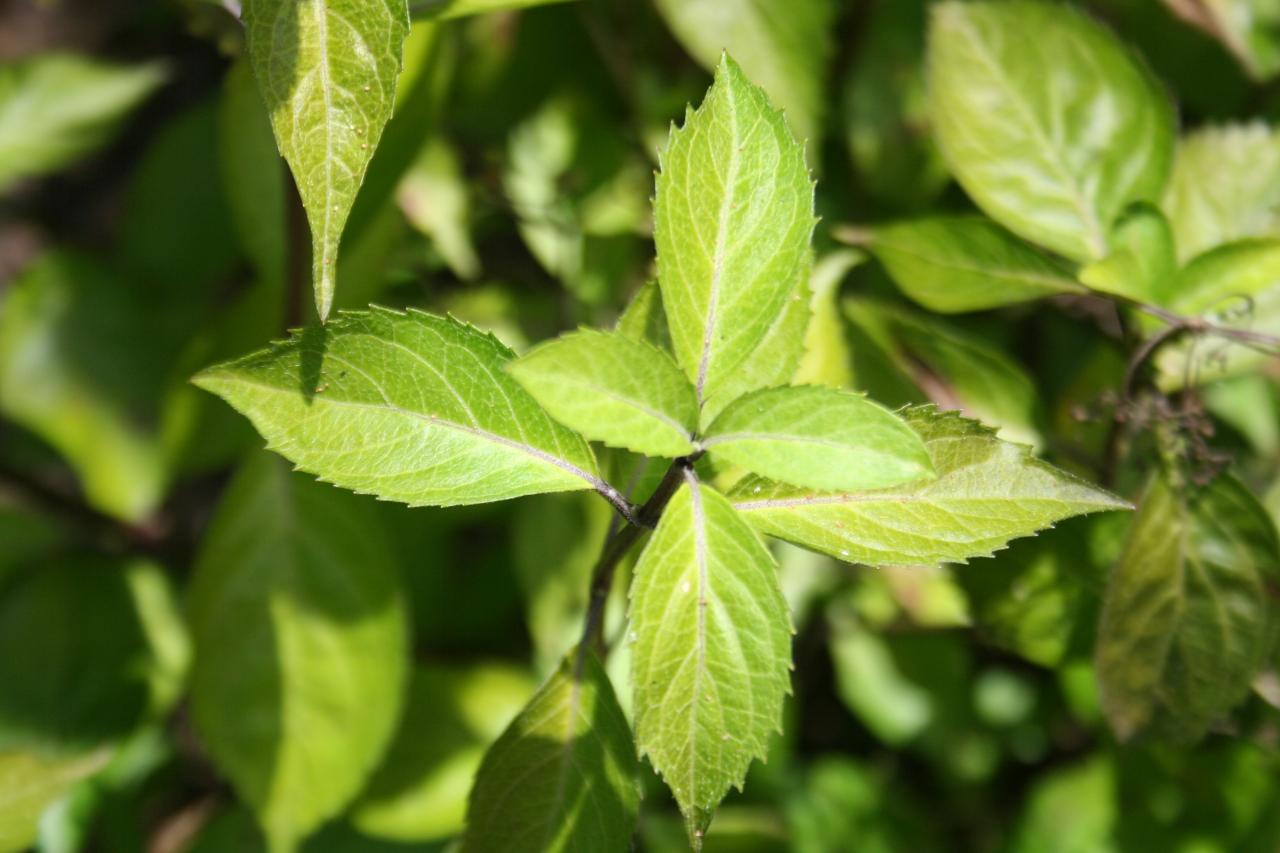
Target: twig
column 646, row 518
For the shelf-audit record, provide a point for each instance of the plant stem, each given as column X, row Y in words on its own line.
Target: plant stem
column 617, row 546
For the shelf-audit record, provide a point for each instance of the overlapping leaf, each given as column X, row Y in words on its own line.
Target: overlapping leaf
column 615, row 389
column 710, row 653
column 1046, row 120
column 564, row 775
column 953, row 264
column 783, row 45
column 1225, row 187
column 987, row 492
column 410, row 407
column 1189, row 614
column 327, row 70
column 300, row 634
column 733, row 219
column 821, row 438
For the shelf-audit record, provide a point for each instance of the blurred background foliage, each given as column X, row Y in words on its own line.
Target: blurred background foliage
column 148, row 228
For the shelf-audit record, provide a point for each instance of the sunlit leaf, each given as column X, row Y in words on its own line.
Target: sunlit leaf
column 327, row 71
column 1051, row 135
column 301, row 646
column 563, row 776
column 818, row 437
column 614, row 389
column 826, row 359
column 30, row 782
column 410, row 407
column 1189, row 614
column 451, row 715
column 445, row 9
column 711, row 657
column 733, row 218
column 987, row 492
column 1141, row 264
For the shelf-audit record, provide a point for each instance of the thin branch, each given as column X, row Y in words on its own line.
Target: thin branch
column 645, row 518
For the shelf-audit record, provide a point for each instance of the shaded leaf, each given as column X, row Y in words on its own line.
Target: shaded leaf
column 827, row 359
column 434, row 197
column 300, row 635
column 1054, row 135
column 90, row 647
column 711, row 653
column 954, row 264
column 733, row 219
column 818, row 437
column 563, row 776
column 451, row 715
column 614, row 389
column 445, row 9
column 644, row 318
column 410, row 407
column 1250, row 29
column 327, row 71
column 55, row 108
column 987, row 492
column 1189, row 615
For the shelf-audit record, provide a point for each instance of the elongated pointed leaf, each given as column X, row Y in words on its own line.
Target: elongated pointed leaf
column 733, row 217
column 827, row 359
column 954, row 264
column 1189, row 615
column 711, row 650
column 819, row 437
column 327, row 70
column 446, row 9
column 563, row 777
column 615, row 389
column 987, row 492
column 1046, row 120
column 301, row 638
column 1225, row 187
column 410, row 407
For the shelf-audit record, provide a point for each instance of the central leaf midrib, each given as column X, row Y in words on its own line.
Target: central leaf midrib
column 717, row 259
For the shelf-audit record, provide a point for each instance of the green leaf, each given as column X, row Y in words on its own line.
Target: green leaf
column 1141, row 264
column 30, row 782
column 1052, row 134
column 409, row 407
column 612, row 388
column 644, row 318
column 1189, row 616
column 419, row 793
column 1071, row 809
column 327, row 71
column 434, row 197
column 954, row 264
column 952, row 367
column 445, row 9
column 987, row 492
column 827, row 359
column 733, row 219
column 818, row 437
column 1225, row 187
column 1237, row 286
column 711, row 650
column 252, row 177
column 563, row 776
column 300, row 637
column 55, row 108
column 775, row 359
column 784, row 45
column 90, row 648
